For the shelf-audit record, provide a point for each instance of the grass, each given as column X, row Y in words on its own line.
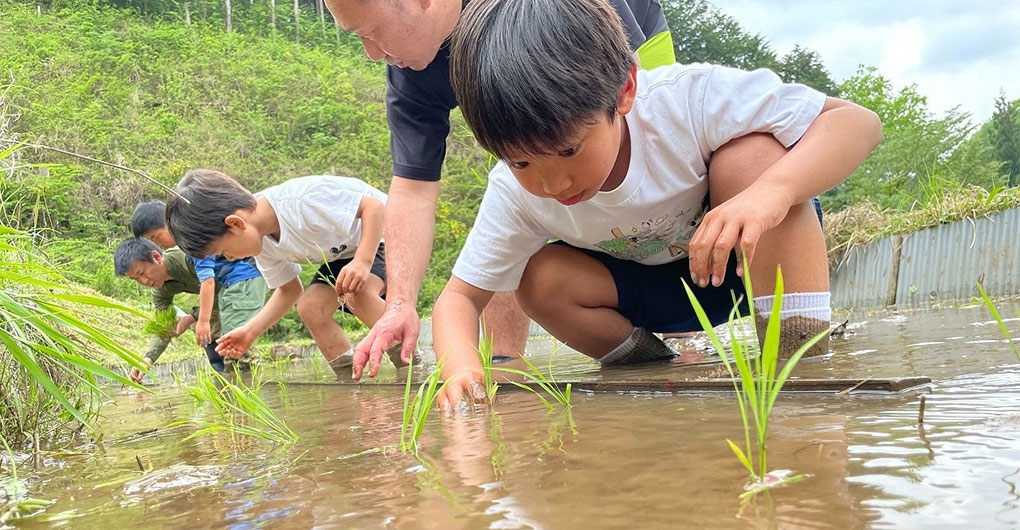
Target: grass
column 239, row 410
column 162, row 324
column 998, row 319
column 545, row 382
column 486, row 350
column 51, row 359
column 753, row 370
column 416, row 409
column 865, row 222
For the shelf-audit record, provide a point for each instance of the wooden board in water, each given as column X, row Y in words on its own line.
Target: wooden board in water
column 831, row 386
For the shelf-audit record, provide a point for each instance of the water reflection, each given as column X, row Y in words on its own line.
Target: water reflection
column 635, row 460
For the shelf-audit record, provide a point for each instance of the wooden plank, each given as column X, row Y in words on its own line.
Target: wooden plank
column 830, row 386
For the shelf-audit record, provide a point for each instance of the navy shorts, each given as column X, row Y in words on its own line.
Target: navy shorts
column 326, row 274
column 653, row 296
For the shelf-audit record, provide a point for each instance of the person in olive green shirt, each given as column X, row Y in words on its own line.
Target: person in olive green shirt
column 168, row 273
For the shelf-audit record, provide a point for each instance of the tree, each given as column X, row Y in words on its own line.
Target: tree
column 805, row 66
column 703, row 34
column 917, row 150
column 227, row 15
column 1004, row 132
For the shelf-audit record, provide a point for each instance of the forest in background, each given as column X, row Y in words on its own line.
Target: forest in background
column 267, row 90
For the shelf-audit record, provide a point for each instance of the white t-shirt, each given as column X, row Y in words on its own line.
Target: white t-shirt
column 318, row 223
column 681, row 115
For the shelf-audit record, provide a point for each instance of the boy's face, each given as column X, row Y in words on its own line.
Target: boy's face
column 404, row 33
column 595, row 159
column 241, row 240
column 161, row 237
column 149, row 274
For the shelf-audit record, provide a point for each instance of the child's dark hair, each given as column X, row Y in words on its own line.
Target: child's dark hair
column 148, row 216
column 211, row 197
column 528, row 73
column 132, row 250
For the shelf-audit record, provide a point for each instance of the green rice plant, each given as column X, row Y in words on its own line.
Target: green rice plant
column 51, row 359
column 545, row 382
column 162, row 324
column 416, row 409
column 238, row 409
column 755, row 380
column 998, row 319
column 485, row 354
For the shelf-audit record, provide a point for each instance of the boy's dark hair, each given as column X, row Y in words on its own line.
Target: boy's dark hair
column 211, row 197
column 131, row 250
column 528, row 73
column 148, row 216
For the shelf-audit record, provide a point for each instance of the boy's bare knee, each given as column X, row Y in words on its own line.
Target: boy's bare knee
column 538, row 279
column 312, row 312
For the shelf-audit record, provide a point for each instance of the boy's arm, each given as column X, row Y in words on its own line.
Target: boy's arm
column 832, row 147
column 206, row 298
column 236, row 342
column 352, row 276
column 455, row 333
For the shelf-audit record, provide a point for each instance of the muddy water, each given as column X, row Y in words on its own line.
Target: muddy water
column 635, row 461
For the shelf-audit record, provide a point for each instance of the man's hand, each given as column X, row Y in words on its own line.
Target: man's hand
column 235, row 343
column 398, row 323
column 183, row 324
column 465, row 387
column 136, row 375
column 736, row 224
column 203, row 333
column 352, row 277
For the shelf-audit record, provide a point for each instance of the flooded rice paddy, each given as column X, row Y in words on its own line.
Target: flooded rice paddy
column 634, row 461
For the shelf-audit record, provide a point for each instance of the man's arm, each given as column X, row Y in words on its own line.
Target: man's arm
column 410, row 227
column 235, row 343
column 455, row 335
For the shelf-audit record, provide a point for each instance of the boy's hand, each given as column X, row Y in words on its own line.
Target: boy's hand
column 352, row 277
column 736, row 224
column 235, row 343
column 398, row 323
column 136, row 375
column 203, row 333
column 183, row 324
column 462, row 387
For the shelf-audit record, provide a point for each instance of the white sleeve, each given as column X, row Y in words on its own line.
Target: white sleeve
column 500, row 243
column 737, row 102
column 277, row 272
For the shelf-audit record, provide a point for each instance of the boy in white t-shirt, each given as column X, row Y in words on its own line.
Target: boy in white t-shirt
column 612, row 163
column 335, row 221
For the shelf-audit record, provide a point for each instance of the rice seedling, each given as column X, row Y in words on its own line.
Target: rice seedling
column 757, row 385
column 162, row 324
column 238, row 409
column 485, row 353
column 998, row 319
column 546, row 383
column 416, row 409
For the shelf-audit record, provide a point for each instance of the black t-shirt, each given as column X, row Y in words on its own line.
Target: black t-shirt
column 418, row 103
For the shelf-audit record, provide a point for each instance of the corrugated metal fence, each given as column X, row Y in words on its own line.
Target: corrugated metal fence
column 937, row 264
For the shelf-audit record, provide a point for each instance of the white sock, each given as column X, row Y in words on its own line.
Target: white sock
column 809, row 305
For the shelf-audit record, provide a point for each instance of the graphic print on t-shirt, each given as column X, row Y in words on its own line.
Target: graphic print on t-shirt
column 666, row 232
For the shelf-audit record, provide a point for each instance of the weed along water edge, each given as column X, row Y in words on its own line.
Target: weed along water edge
column 520, row 465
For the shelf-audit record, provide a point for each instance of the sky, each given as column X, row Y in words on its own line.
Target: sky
column 957, row 52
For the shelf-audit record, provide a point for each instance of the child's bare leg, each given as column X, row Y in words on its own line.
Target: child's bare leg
column 316, row 308
column 367, row 304
column 796, row 244
column 573, row 296
column 506, row 321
